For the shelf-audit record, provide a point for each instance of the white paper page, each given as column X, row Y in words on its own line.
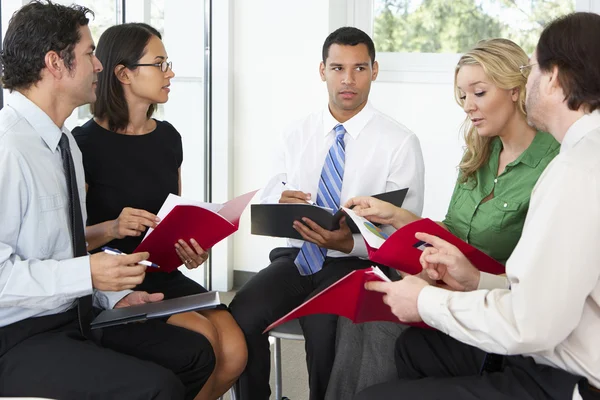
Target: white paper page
column 379, row 273
column 372, row 234
column 174, row 200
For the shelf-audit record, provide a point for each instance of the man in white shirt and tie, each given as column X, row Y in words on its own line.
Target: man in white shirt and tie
column 345, row 150
column 46, row 276
column 534, row 333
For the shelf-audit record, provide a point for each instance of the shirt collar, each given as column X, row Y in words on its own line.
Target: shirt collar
column 38, row 119
column 579, row 129
column 537, row 150
column 353, row 126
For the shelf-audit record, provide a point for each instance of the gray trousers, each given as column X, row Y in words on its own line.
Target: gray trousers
column 364, row 357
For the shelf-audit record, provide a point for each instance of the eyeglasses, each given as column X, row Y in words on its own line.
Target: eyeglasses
column 525, row 69
column 164, row 66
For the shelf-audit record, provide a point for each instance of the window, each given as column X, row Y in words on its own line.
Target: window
column 438, row 26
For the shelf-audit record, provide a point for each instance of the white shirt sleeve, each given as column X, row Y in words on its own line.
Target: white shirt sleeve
column 408, row 171
column 552, row 271
column 32, row 283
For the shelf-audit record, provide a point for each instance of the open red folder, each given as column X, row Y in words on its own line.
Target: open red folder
column 348, row 298
column 402, row 250
column 207, row 223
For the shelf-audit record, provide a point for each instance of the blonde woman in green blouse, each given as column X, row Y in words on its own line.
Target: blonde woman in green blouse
column 504, row 158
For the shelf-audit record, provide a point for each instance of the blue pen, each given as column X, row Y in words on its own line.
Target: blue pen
column 312, row 203
column 116, row 252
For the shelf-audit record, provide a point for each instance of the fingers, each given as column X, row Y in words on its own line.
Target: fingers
column 435, row 241
column 133, row 216
column 441, row 258
column 294, row 196
column 307, row 233
column 313, row 226
column 382, row 287
column 145, row 297
column 142, row 214
column 192, row 258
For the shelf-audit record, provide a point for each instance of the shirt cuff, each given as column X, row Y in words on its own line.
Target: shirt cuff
column 75, row 276
column 360, row 247
column 432, row 305
column 107, row 300
column 491, row 281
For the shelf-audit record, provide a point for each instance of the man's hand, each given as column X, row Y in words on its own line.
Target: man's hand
column 117, row 272
column 444, row 262
column 381, row 212
column 340, row 240
column 132, row 222
column 135, row 298
column 402, row 296
column 294, row 196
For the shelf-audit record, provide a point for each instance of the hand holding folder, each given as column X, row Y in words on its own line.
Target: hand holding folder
column 207, row 223
column 347, row 298
column 277, row 219
column 402, row 250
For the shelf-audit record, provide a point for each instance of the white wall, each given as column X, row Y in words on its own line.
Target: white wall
column 277, row 49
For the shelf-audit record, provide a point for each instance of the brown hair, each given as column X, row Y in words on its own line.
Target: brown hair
column 123, row 44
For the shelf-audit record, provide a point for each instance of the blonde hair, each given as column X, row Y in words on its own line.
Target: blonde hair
column 500, row 60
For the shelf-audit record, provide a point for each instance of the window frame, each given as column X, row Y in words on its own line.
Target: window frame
column 424, row 68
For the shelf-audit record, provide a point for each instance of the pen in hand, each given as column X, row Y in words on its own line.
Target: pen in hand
column 290, row 187
column 115, row 252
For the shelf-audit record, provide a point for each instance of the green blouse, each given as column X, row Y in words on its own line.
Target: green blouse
column 495, row 226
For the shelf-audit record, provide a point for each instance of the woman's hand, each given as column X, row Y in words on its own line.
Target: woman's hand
column 192, row 257
column 380, row 211
column 132, row 222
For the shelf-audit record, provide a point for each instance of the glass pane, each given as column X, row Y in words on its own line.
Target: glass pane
column 440, row 26
column 105, row 16
column 181, row 22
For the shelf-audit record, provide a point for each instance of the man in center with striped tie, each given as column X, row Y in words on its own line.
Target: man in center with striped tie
column 345, row 150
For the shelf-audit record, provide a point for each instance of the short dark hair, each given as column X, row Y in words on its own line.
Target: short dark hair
column 348, row 36
column 572, row 44
column 124, row 45
column 33, row 31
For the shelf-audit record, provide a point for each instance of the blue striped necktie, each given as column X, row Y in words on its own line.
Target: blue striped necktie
column 310, row 258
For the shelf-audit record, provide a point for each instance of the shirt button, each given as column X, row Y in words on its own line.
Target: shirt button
column 496, row 180
column 505, row 205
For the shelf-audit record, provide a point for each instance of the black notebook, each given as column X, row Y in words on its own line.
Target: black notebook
column 165, row 308
column 277, row 219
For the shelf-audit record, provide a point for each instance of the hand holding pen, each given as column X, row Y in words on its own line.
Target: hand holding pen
column 109, row 250
column 293, row 195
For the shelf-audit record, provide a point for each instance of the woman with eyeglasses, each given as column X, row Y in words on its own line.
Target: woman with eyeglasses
column 132, row 163
column 504, row 158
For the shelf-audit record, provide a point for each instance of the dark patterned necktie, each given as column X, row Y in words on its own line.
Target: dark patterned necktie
column 84, row 304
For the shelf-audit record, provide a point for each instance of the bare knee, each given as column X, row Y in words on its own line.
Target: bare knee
column 233, row 356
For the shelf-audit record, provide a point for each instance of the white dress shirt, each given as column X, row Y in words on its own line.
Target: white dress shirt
column 38, row 274
column 381, row 155
column 552, row 310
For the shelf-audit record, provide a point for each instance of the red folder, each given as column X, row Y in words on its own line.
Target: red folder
column 402, row 250
column 185, row 222
column 348, row 298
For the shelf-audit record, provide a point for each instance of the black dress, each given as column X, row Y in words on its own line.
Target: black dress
column 136, row 171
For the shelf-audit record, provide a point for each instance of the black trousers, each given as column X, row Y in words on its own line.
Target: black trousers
column 48, row 357
column 432, row 365
column 272, row 293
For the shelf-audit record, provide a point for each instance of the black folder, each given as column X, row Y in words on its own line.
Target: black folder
column 165, row 308
column 277, row 219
